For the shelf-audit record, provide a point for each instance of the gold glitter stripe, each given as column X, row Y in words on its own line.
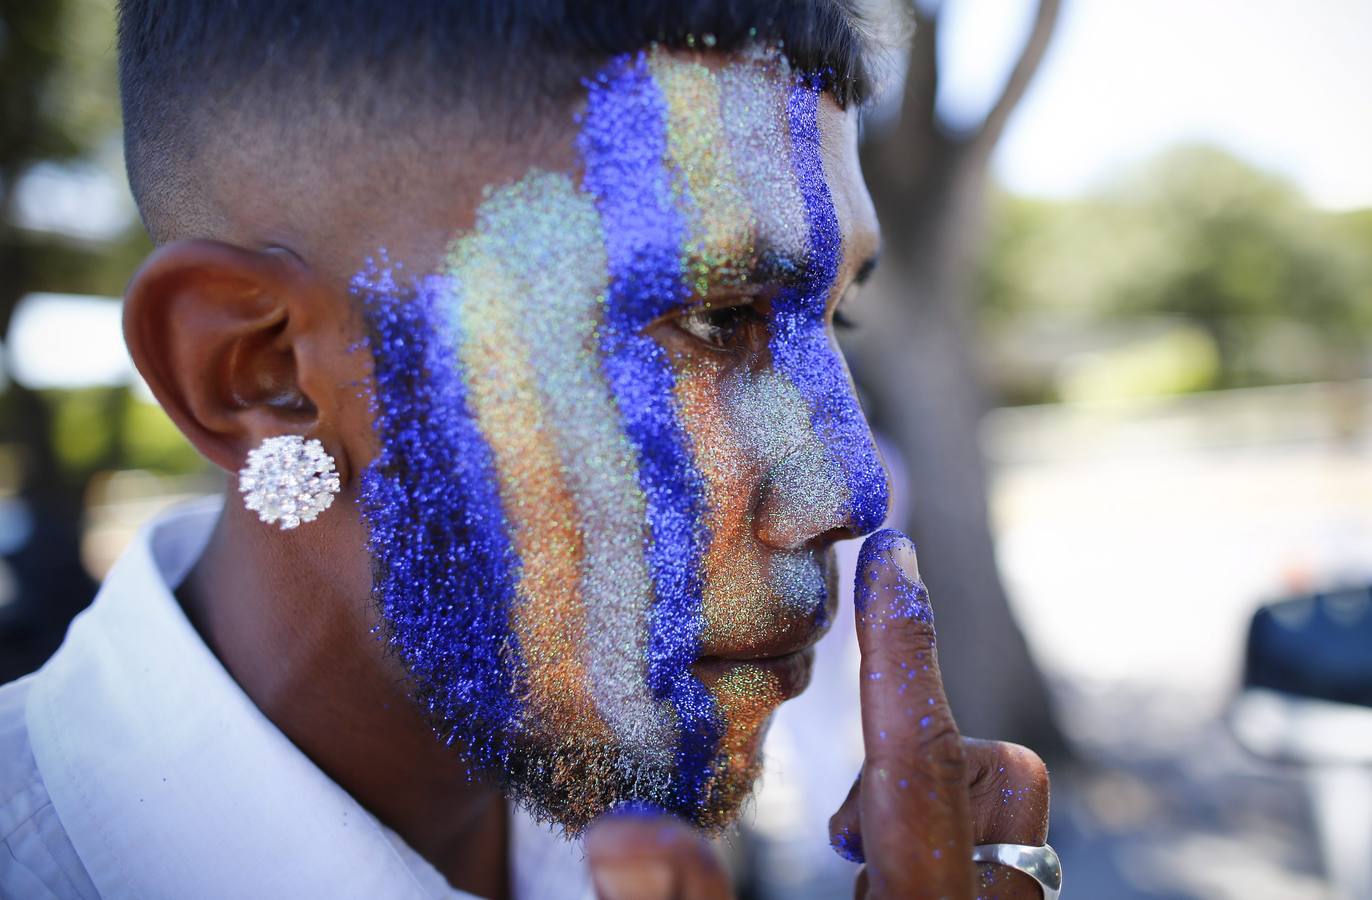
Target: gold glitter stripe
column 549, row 620
column 747, row 697
column 721, row 220
column 734, row 593
column 552, row 238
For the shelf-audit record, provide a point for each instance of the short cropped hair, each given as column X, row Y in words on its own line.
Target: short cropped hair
column 188, row 67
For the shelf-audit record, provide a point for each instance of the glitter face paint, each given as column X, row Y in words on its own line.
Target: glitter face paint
column 624, row 142
column 568, row 512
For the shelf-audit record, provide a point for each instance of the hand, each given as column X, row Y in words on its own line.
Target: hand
column 925, row 796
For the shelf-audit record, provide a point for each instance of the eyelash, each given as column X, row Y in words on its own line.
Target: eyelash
column 702, row 324
column 842, row 320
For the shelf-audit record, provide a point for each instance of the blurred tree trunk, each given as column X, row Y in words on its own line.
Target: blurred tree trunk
column 917, row 367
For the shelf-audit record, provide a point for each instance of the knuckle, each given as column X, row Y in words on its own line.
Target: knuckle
column 1012, row 769
column 989, row 777
column 1010, row 795
column 907, row 651
column 937, row 753
column 912, row 636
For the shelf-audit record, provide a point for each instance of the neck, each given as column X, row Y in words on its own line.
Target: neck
column 292, row 624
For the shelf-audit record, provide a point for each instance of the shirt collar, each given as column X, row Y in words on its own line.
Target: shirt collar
column 169, row 781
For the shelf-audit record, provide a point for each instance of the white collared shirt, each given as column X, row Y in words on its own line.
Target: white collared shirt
column 133, row 766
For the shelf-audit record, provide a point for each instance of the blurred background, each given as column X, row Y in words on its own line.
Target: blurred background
column 1117, row 350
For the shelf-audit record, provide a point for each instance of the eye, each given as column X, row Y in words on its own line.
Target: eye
column 723, row 328
column 843, row 318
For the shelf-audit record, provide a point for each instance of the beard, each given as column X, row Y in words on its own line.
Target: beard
column 564, row 771
column 573, row 781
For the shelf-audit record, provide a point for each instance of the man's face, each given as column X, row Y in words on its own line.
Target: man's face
column 617, row 440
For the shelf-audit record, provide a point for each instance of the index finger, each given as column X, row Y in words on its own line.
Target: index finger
column 916, row 820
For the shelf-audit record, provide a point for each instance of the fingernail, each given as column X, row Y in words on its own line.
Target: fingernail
column 903, row 555
column 893, row 545
column 637, row 881
column 903, row 599
column 848, row 845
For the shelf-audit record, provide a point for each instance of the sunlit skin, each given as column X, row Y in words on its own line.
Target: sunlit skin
column 252, row 333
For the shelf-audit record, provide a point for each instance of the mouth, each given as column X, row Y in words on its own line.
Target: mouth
column 790, row 671
column 778, row 648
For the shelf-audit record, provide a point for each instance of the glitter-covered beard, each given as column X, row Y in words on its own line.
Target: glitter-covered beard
column 564, row 514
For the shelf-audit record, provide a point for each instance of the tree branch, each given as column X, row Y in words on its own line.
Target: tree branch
column 1040, row 35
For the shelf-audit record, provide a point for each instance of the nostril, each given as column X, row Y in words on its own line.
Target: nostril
column 811, row 494
column 795, row 520
column 842, row 533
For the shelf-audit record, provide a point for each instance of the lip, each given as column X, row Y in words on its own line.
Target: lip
column 791, row 670
column 788, row 640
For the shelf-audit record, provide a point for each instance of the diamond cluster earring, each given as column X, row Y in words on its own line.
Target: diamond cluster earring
column 288, row 480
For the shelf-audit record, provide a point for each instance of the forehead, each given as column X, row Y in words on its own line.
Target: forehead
column 722, row 127
column 749, row 145
column 838, row 129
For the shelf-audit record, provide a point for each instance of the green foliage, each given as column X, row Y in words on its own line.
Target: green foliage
column 1172, row 362
column 96, row 429
column 1205, row 239
column 81, row 432
column 153, row 443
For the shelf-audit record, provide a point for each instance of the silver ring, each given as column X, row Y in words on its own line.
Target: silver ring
column 1039, row 863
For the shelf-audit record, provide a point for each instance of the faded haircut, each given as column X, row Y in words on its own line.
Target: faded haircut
column 194, row 74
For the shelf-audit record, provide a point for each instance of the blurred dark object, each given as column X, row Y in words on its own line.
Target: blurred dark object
column 1318, row 646
column 1307, row 700
column 915, row 361
column 45, row 585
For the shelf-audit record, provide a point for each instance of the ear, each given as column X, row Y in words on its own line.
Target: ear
column 238, row 345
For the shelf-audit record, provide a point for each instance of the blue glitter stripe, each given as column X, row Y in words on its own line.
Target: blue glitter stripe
column 445, row 569
column 624, row 144
column 801, row 346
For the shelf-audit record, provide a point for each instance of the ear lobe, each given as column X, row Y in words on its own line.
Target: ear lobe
column 210, row 327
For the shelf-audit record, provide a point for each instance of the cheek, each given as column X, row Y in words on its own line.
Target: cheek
column 530, row 305
column 734, row 590
column 746, row 427
column 730, row 473
column 541, row 514
column 758, row 456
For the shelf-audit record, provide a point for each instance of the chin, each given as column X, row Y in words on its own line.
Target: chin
column 730, row 790
column 569, row 783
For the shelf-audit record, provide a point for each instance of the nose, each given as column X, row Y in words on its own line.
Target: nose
column 831, row 485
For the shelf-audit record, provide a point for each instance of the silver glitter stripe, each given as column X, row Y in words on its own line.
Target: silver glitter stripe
column 753, row 105
column 564, row 289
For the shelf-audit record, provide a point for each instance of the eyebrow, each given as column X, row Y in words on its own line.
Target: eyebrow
column 767, row 265
column 774, row 266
